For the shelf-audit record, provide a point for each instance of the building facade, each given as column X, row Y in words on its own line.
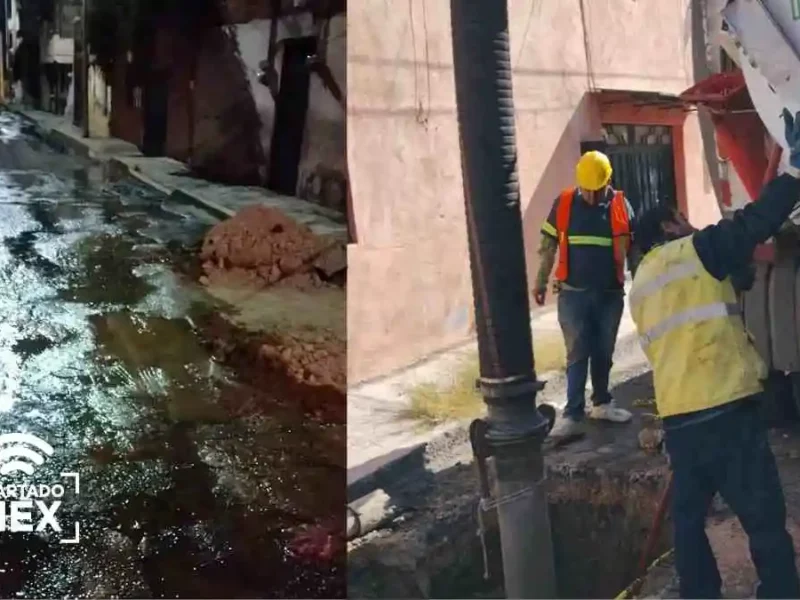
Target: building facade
column 255, row 98
column 39, row 47
column 599, row 73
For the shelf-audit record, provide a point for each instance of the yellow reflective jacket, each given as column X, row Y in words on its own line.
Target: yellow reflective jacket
column 691, row 330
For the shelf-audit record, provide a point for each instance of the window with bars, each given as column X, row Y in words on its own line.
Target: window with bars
column 643, row 162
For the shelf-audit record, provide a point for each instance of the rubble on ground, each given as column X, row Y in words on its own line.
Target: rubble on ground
column 310, row 374
column 651, row 439
column 317, row 360
column 261, row 247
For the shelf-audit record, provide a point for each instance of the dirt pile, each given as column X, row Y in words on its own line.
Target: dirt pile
column 318, row 360
column 259, row 361
column 258, row 248
column 261, row 247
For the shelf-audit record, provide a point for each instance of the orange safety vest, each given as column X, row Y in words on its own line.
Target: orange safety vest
column 620, row 232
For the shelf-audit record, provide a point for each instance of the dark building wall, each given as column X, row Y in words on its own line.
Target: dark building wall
column 323, row 171
column 216, row 126
column 220, row 132
column 126, row 116
column 244, row 11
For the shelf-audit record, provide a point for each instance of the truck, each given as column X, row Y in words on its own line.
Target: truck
column 744, row 102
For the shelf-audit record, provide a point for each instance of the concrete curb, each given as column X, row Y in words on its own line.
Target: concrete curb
column 65, row 143
column 413, row 461
column 60, row 139
column 41, row 131
column 408, row 462
column 219, row 212
column 215, row 209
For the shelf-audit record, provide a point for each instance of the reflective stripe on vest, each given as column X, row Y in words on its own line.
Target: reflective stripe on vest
column 690, row 328
column 693, row 315
column 678, row 271
column 620, row 233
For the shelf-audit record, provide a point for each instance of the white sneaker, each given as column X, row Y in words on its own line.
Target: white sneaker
column 610, row 412
column 566, row 427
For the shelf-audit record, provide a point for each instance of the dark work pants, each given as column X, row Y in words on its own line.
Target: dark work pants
column 589, row 320
column 729, row 454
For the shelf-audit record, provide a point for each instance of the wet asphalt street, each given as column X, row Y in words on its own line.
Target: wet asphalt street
column 100, row 357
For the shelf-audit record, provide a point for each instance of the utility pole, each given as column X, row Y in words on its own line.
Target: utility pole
column 511, row 437
column 86, row 8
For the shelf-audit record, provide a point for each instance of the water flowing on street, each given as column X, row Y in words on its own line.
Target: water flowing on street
column 183, row 492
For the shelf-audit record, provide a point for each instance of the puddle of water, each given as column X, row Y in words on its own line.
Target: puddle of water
column 182, row 496
column 104, row 273
column 159, row 358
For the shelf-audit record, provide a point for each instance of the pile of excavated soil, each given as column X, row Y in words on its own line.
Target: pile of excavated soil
column 261, row 247
column 308, row 374
column 317, row 360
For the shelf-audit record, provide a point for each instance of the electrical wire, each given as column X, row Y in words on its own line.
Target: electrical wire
column 587, row 48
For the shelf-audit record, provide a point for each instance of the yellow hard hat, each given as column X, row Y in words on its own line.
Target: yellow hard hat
column 593, row 171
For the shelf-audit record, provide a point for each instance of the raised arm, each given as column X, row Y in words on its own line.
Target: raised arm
column 726, row 249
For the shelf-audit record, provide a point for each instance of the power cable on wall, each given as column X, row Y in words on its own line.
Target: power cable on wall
column 421, row 116
column 587, row 48
column 414, row 57
column 427, row 56
column 525, row 34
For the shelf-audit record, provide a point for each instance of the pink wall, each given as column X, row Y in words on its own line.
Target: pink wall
column 408, row 274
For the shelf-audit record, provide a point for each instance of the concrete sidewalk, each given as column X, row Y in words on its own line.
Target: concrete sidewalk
column 378, row 433
column 172, row 177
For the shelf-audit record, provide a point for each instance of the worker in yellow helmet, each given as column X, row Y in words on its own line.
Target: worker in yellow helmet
column 587, row 235
column 707, row 377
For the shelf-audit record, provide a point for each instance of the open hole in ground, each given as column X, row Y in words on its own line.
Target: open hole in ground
column 603, row 493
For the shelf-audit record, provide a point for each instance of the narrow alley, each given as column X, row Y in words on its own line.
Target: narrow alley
column 191, row 483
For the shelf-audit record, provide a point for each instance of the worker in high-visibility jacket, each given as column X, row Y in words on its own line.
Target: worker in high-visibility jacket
column 588, row 236
column 707, row 377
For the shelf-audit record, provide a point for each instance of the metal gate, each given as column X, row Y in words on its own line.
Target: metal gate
column 643, row 162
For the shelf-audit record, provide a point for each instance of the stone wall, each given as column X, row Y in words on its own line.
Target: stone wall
column 221, row 137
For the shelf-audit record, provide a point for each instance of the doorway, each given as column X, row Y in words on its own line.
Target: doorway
column 156, row 98
column 291, row 108
column 79, row 90
column 643, row 163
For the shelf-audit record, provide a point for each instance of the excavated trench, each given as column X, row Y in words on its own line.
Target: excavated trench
column 603, row 493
